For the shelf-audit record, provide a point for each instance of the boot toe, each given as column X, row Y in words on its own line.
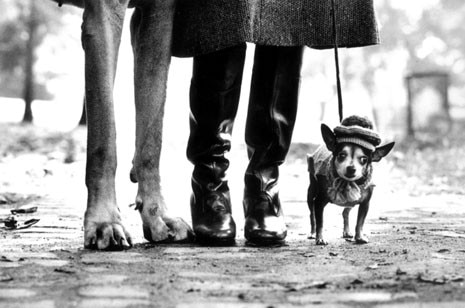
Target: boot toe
column 267, row 231
column 222, row 232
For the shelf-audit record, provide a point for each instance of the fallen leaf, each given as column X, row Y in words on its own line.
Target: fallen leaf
column 313, row 285
column 10, row 259
column 65, row 270
column 24, row 210
column 308, row 255
column 400, row 272
column 5, row 278
column 457, row 279
column 372, row 267
column 437, row 281
column 357, row 281
column 12, row 224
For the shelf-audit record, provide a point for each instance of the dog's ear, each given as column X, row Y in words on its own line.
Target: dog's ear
column 382, row 151
column 328, row 137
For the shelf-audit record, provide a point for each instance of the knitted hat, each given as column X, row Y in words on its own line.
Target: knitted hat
column 357, row 130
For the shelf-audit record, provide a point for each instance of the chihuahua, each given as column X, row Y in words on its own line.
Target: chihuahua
column 340, row 173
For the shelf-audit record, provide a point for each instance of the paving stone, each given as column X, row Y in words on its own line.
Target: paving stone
column 230, row 286
column 201, row 275
column 50, row 263
column 11, row 293
column 423, row 305
column 125, row 292
column 223, row 304
column 95, row 269
column 42, row 259
column 110, row 257
column 199, row 254
column 113, row 303
column 356, row 297
column 31, row 304
column 104, row 279
column 10, row 264
column 405, row 296
column 29, row 255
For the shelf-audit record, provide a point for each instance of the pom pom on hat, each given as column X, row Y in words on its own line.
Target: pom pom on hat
column 357, row 130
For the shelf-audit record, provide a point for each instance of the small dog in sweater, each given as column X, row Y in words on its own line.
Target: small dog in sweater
column 340, row 173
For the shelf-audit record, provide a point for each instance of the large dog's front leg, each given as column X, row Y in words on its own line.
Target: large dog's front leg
column 151, row 30
column 101, row 34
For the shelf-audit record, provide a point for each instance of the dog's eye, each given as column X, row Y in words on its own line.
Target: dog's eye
column 341, row 156
column 363, row 160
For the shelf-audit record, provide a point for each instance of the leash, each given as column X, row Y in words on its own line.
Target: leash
column 336, row 59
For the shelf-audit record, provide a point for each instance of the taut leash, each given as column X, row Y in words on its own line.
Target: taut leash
column 336, row 58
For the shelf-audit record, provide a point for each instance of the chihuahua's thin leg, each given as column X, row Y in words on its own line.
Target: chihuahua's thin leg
column 311, row 193
column 345, row 217
column 319, row 209
column 360, row 238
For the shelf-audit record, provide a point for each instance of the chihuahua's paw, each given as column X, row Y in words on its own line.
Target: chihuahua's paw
column 361, row 240
column 348, row 235
column 321, row 242
column 312, row 235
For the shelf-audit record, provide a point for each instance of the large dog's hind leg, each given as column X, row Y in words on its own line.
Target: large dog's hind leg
column 101, row 34
column 151, row 30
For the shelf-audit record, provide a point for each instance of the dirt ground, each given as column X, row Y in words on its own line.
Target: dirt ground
column 415, row 257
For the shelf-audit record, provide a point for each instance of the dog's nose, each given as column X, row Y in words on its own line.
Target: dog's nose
column 350, row 171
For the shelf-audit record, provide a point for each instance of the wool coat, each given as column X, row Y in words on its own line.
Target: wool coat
column 204, row 26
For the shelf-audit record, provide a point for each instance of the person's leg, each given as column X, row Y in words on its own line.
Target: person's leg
column 214, row 98
column 270, row 121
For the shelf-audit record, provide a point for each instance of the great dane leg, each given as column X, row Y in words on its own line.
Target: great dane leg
column 151, row 30
column 101, row 34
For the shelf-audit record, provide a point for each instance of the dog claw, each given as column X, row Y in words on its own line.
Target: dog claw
column 168, row 230
column 106, row 236
column 361, row 240
column 347, row 235
column 321, row 242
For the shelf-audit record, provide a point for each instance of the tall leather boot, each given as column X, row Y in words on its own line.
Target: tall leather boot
column 270, row 122
column 214, row 98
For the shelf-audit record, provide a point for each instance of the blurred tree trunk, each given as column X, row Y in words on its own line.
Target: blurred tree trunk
column 31, row 44
column 83, row 120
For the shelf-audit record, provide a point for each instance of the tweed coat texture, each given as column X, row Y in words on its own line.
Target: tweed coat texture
column 203, row 26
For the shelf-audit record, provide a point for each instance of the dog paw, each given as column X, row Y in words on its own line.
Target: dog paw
column 321, row 242
column 361, row 240
column 168, row 229
column 106, row 236
column 347, row 235
column 312, row 235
